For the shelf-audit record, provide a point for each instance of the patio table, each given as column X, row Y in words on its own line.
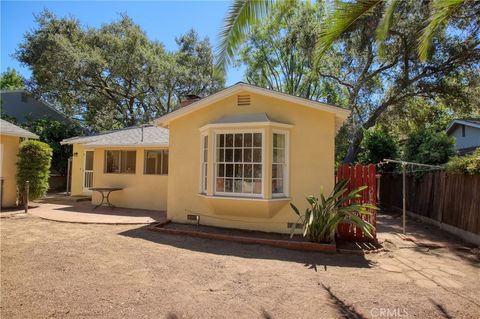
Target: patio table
column 105, row 192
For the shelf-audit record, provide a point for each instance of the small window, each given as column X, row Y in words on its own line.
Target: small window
column 463, row 130
column 120, row 162
column 156, row 162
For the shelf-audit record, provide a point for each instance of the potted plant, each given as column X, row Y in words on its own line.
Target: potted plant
column 320, row 220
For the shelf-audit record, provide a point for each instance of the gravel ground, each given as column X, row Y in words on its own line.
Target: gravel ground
column 61, row 270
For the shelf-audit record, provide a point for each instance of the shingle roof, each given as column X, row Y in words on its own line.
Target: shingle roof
column 7, row 128
column 130, row 136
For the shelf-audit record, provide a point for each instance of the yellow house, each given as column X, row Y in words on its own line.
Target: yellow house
column 10, row 138
column 234, row 159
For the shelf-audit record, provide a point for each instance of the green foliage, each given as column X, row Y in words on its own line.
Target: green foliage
column 33, row 165
column 321, row 219
column 241, row 16
column 467, row 164
column 378, row 145
column 428, row 147
column 280, row 54
column 114, row 76
column 11, row 80
column 53, row 132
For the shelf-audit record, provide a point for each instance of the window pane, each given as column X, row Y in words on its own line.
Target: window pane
column 221, row 170
column 257, row 171
column 237, row 186
column 89, row 160
column 239, row 170
column 257, row 186
column 112, row 161
column 277, row 186
column 277, row 170
column 248, row 140
column 279, row 140
column 257, row 140
column 279, row 156
column 248, row 171
column 205, row 155
column 229, row 170
column 220, row 155
column 247, row 186
column 247, row 155
column 165, row 163
column 221, row 140
column 238, row 140
column 238, row 155
column 129, row 159
column 229, row 140
column 257, row 155
column 220, row 185
column 228, row 185
column 229, row 155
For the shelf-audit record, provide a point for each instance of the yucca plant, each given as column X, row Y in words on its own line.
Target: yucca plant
column 321, row 219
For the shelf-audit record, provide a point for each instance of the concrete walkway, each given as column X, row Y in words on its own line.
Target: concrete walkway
column 83, row 212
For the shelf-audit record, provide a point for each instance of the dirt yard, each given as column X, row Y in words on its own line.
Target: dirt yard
column 61, row 270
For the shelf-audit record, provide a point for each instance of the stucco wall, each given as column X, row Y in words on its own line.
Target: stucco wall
column 471, row 138
column 140, row 190
column 8, row 164
column 311, row 164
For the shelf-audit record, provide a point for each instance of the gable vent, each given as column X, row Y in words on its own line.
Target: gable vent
column 243, row 100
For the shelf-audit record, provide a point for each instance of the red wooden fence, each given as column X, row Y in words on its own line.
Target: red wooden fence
column 359, row 175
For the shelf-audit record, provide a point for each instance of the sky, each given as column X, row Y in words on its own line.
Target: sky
column 161, row 20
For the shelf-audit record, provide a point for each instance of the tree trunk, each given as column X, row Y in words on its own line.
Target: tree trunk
column 354, row 146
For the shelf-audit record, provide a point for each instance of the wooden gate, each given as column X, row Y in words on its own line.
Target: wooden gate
column 359, row 175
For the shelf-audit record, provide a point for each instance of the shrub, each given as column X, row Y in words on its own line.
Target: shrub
column 321, row 219
column 428, row 147
column 468, row 164
column 33, row 165
column 378, row 145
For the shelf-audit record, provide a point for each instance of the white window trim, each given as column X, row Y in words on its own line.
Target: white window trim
column 233, row 194
column 203, row 188
column 286, row 173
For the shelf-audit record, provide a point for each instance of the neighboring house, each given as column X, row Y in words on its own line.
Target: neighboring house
column 10, row 138
column 466, row 133
column 19, row 104
column 235, row 158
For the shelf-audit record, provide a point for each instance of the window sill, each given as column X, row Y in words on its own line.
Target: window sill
column 245, row 198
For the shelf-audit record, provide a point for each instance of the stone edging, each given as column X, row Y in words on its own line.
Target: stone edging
column 297, row 245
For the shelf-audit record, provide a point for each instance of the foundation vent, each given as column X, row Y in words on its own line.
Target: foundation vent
column 243, row 100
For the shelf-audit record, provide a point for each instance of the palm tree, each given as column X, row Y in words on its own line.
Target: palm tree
column 243, row 14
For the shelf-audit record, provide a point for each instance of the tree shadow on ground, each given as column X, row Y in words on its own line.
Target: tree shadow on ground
column 344, row 310
column 311, row 260
column 441, row 309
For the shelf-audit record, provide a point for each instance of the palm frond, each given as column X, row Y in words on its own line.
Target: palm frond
column 386, row 20
column 343, row 16
column 241, row 16
column 442, row 11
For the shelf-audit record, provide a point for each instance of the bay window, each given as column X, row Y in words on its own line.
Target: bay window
column 240, row 166
column 239, row 163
